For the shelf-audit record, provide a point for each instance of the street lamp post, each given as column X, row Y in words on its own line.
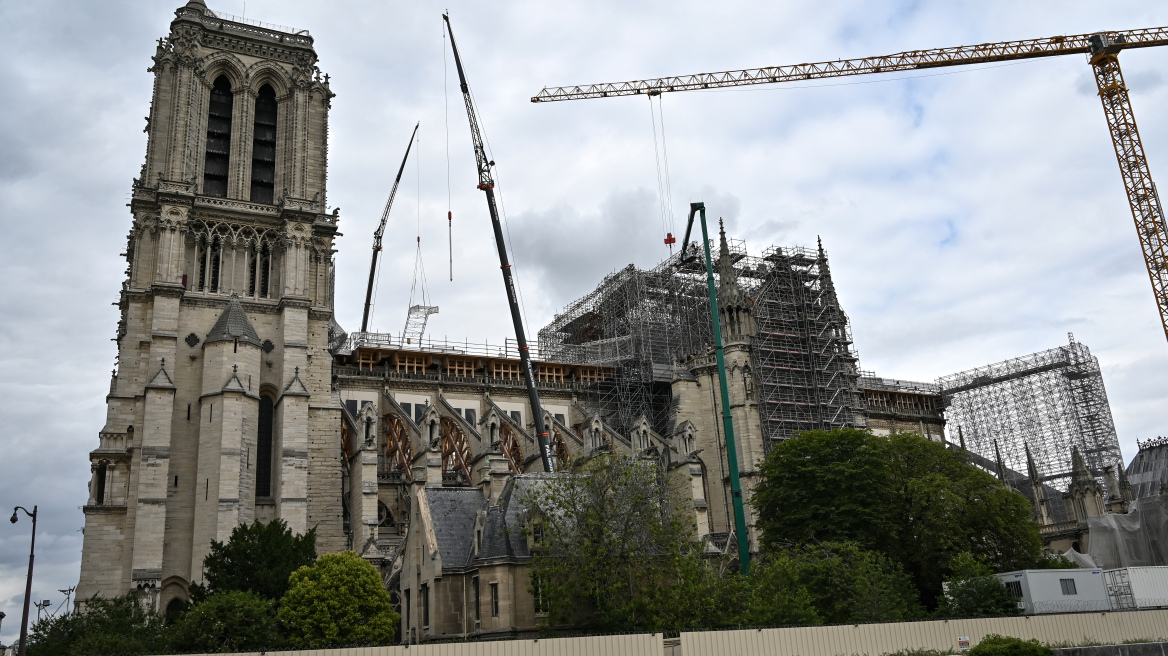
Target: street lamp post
column 28, row 582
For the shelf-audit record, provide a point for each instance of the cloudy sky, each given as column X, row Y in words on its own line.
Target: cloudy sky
column 971, row 215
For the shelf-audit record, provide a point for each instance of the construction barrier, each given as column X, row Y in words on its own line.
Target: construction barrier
column 1072, row 629
column 943, row 635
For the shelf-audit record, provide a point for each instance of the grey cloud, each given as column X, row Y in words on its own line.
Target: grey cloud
column 1020, row 153
column 568, row 252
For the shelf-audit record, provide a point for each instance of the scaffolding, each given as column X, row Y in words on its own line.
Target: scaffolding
column 1051, row 402
column 646, row 322
column 807, row 370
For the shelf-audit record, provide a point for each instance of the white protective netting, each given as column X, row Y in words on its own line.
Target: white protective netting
column 1137, row 539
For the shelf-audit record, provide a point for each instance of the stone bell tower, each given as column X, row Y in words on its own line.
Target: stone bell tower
column 698, row 399
column 220, row 409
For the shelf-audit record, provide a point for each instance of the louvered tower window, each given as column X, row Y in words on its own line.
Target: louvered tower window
column 263, row 157
column 264, row 449
column 218, row 139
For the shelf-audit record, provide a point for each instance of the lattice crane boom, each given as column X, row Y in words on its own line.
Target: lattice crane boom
column 487, row 185
column 1102, row 49
column 902, row 61
column 380, row 232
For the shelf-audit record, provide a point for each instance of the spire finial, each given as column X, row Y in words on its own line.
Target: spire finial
column 1031, row 468
column 1079, row 469
column 235, row 368
column 297, row 371
column 1001, row 466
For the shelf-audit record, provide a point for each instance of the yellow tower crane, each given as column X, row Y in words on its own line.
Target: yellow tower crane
column 1102, row 50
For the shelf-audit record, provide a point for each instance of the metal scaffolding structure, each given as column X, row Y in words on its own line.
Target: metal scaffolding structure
column 807, row 370
column 1051, row 401
column 646, row 322
column 641, row 323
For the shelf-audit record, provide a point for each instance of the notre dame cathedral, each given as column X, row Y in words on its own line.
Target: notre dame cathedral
column 237, row 396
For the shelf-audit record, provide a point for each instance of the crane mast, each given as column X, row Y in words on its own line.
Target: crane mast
column 380, row 232
column 487, row 185
column 1101, row 48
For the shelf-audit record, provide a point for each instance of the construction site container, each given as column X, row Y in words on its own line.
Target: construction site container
column 1131, row 588
column 1057, row 590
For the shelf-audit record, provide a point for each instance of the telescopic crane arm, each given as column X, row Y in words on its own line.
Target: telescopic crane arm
column 380, row 232
column 1102, row 49
column 487, row 185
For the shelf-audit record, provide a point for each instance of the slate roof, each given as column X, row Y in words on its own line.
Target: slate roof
column 233, row 324
column 452, row 515
column 1149, row 469
column 503, row 535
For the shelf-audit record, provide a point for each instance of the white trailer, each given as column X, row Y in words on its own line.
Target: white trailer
column 1132, row 588
column 1057, row 590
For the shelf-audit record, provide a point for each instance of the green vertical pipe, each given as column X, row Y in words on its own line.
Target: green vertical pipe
column 727, row 421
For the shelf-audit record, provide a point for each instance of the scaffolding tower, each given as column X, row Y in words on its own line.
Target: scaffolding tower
column 1051, row 402
column 645, row 323
column 807, row 371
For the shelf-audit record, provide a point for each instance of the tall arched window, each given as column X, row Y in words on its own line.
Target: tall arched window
column 210, row 263
column 264, row 449
column 261, row 270
column 263, row 153
column 215, row 166
column 99, row 493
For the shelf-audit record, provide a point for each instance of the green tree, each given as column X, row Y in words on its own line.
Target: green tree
column 913, row 500
column 121, row 625
column 973, row 591
column 824, row 486
column 776, row 595
column 339, row 600
column 850, row 584
column 616, row 555
column 999, row 645
column 257, row 558
column 1049, row 560
column 228, row 621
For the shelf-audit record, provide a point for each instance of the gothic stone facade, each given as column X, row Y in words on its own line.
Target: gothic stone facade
column 220, row 409
column 449, row 438
column 234, row 398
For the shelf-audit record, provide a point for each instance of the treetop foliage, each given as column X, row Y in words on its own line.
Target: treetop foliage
column 257, row 558
column 616, row 555
column 107, row 626
column 915, row 501
column 613, row 553
column 337, row 600
column 228, row 621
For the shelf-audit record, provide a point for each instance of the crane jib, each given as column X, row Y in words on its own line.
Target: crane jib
column 1102, row 49
column 902, row 61
column 380, row 232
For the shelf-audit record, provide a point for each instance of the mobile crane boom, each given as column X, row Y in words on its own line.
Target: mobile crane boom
column 1102, row 50
column 487, row 185
column 377, row 235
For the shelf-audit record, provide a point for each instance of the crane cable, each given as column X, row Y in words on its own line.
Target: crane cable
column 449, row 209
column 419, row 266
column 664, row 188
